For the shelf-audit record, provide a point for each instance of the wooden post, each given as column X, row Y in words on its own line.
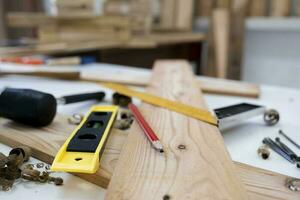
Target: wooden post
column 237, row 32
column 280, row 8
column 167, row 14
column 204, row 8
column 2, row 21
column 195, row 165
column 184, row 14
column 221, row 31
column 257, row 8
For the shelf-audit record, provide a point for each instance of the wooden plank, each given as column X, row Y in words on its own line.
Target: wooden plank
column 193, row 172
column 265, row 185
column 2, row 21
column 221, row 32
column 237, row 32
column 167, row 14
column 184, row 15
column 31, row 19
column 67, row 75
column 280, row 8
column 257, row 8
column 204, row 8
column 45, row 142
column 145, row 41
column 207, row 84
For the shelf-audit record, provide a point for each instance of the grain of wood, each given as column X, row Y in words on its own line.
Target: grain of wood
column 280, row 8
column 221, row 32
column 196, row 171
column 45, row 142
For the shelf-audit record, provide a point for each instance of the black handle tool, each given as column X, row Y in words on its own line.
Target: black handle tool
column 35, row 108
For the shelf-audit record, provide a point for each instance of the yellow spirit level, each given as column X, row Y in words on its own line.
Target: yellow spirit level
column 81, row 151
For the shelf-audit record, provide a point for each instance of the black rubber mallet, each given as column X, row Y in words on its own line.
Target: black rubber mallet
column 35, row 108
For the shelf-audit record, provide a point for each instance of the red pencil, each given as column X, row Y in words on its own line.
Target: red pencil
column 146, row 128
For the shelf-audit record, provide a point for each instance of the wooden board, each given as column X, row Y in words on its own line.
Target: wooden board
column 184, row 15
column 257, row 8
column 280, row 8
column 221, row 32
column 207, row 84
column 194, row 172
column 144, row 41
column 31, row 19
column 167, row 14
column 45, row 142
column 236, row 41
column 67, row 75
column 204, row 8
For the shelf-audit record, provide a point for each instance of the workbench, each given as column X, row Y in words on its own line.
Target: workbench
column 242, row 141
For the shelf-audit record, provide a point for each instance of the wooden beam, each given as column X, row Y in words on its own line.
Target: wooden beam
column 257, row 8
column 45, row 142
column 31, row 19
column 195, row 161
column 221, row 32
column 280, row 8
column 2, row 21
column 207, row 84
column 237, row 32
column 65, row 75
column 184, row 15
column 167, row 14
column 204, row 8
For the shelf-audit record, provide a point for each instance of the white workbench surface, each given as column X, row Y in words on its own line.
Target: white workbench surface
column 242, row 141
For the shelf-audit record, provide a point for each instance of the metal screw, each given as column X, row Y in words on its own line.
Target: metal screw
column 56, row 180
column 293, row 184
column 271, row 117
column 44, row 177
column 47, row 167
column 40, row 165
column 75, row 119
column 263, row 151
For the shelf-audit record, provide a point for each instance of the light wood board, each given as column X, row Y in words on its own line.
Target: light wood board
column 194, row 172
column 237, row 34
column 257, row 8
column 167, row 14
column 280, row 8
column 148, row 41
column 204, row 7
column 184, row 15
column 207, row 84
column 221, row 31
column 45, row 142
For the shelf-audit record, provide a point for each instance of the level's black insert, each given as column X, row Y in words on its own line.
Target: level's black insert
column 89, row 135
column 234, row 110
